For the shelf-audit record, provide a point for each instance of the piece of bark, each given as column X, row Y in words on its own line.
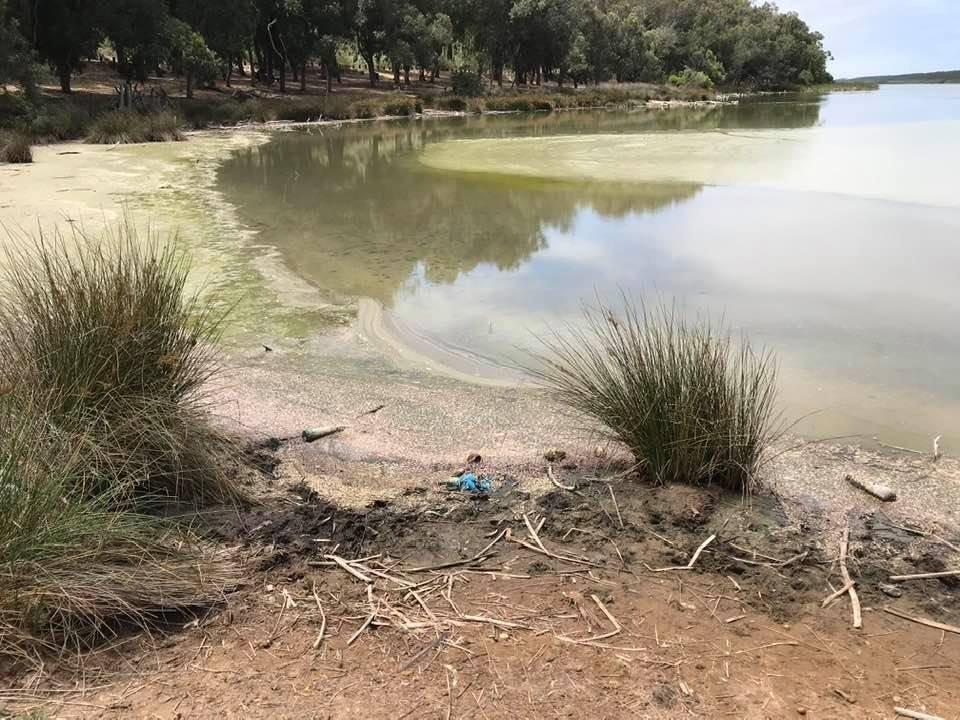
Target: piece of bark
column 314, row 434
column 881, row 492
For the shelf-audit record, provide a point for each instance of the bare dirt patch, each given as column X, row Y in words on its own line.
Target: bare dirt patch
column 588, row 628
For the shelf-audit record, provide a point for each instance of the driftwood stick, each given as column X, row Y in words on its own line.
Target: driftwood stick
column 881, row 492
column 346, row 566
column 924, row 576
column 915, row 714
column 923, row 621
column 854, row 598
column 556, row 482
column 833, row 596
column 533, row 533
column 323, row 619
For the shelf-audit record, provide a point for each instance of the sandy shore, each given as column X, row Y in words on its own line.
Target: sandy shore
column 432, row 415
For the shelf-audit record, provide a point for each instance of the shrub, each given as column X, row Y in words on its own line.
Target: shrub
column 366, row 109
column 13, row 108
column 202, row 113
column 105, row 334
column 466, row 83
column 15, row 148
column 691, row 78
column 400, row 108
column 127, row 126
column 451, row 103
column 56, row 124
column 691, row 404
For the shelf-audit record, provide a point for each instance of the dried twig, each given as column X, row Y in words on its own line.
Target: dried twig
column 616, row 506
column 693, row 560
column 923, row 621
column 915, row 714
column 346, row 566
column 323, row 619
column 924, row 576
column 854, row 598
column 834, row 595
column 556, row 482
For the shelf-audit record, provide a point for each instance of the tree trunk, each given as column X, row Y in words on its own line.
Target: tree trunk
column 63, row 71
column 372, row 69
column 229, row 70
column 423, row 74
column 283, row 74
column 240, row 70
column 303, row 76
column 253, row 67
column 189, row 84
column 406, row 75
column 329, row 78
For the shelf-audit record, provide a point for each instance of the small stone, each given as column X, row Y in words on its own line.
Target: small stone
column 801, row 711
column 890, row 590
column 503, row 636
column 554, row 455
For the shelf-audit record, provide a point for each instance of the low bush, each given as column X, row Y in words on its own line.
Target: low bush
column 128, row 126
column 451, row 103
column 400, row 108
column 55, row 124
column 691, row 404
column 690, row 78
column 15, row 148
column 466, row 83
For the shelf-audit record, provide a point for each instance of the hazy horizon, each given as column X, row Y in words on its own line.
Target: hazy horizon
column 885, row 37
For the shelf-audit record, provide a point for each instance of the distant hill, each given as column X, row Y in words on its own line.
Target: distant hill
column 945, row 76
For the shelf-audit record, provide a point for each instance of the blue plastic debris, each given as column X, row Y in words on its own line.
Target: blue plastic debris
column 468, row 482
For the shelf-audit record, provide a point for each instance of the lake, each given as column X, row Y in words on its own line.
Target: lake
column 824, row 228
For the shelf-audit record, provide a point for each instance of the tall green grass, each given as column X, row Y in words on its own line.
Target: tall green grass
column 691, row 403
column 121, row 353
column 104, row 417
column 129, row 126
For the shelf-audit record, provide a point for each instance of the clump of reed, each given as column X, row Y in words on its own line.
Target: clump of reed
column 104, row 418
column 15, row 148
column 691, row 403
column 122, row 353
column 130, row 126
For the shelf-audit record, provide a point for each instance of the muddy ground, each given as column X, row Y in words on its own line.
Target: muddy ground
column 594, row 629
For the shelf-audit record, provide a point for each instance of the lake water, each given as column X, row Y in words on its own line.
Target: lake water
column 827, row 229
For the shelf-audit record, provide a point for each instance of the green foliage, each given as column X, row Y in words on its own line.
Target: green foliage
column 128, row 126
column 691, row 78
column 15, row 148
column 466, row 84
column 691, row 404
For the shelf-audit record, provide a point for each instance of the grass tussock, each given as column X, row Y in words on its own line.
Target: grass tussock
column 15, row 148
column 72, row 569
column 127, row 126
column 104, row 359
column 108, row 335
column 692, row 404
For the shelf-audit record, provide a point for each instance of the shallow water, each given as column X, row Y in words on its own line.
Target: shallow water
column 828, row 229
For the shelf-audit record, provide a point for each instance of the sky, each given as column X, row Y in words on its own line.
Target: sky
column 885, row 37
